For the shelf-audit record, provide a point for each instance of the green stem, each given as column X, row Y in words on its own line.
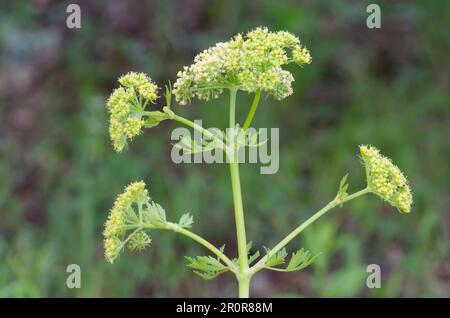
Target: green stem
column 193, row 125
column 243, row 277
column 252, row 111
column 176, row 228
column 200, row 129
column 304, row 225
column 233, row 93
column 239, row 216
column 244, row 287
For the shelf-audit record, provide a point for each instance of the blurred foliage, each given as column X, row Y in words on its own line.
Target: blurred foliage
column 59, row 174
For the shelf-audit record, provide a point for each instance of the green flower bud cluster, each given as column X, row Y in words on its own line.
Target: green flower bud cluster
column 301, row 55
column 121, row 215
column 385, row 179
column 249, row 63
column 126, row 106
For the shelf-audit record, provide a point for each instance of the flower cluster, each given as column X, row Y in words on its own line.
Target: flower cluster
column 385, row 179
column 121, row 215
column 249, row 63
column 126, row 106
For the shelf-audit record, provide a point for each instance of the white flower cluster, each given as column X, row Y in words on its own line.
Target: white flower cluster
column 248, row 63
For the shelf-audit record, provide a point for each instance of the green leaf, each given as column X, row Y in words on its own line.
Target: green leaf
column 151, row 122
column 155, row 214
column 207, row 267
column 168, row 95
column 190, row 146
column 277, row 259
column 154, row 118
column 253, row 138
column 300, row 260
column 253, row 257
column 250, row 139
column 343, row 186
column 186, row 221
column 249, row 246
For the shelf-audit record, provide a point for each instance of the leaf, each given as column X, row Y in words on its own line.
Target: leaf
column 249, row 246
column 186, row 221
column 253, row 141
column 207, row 267
column 151, row 122
column 300, row 260
column 253, row 258
column 155, row 214
column 209, row 145
column 250, row 139
column 343, row 186
column 191, row 146
column 168, row 94
column 277, row 259
column 186, row 144
column 154, row 118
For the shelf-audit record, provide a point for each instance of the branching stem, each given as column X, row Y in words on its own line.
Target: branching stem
column 332, row 204
column 252, row 111
column 176, row 228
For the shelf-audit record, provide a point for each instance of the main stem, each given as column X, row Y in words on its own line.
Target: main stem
column 243, row 275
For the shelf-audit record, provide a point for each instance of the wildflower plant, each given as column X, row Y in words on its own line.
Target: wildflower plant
column 253, row 64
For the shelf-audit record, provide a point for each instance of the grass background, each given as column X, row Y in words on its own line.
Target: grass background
column 59, row 174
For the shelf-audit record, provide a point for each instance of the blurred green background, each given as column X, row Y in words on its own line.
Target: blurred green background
column 59, row 174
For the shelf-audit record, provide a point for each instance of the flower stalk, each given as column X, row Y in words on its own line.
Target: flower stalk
column 243, row 278
column 332, row 204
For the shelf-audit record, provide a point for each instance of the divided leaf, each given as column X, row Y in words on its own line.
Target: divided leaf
column 249, row 246
column 343, row 186
column 251, row 257
column 277, row 259
column 251, row 138
column 154, row 118
column 207, row 267
column 299, row 260
column 168, row 95
column 191, row 146
column 155, row 214
column 186, row 221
